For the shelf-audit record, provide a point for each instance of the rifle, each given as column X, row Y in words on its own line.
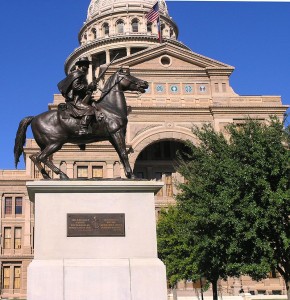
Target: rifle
column 87, row 99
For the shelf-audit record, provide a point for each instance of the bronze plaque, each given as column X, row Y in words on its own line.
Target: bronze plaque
column 82, row 225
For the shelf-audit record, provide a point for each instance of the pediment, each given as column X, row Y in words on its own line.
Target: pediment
column 179, row 59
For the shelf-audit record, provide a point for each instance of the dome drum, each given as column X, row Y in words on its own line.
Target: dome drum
column 132, row 23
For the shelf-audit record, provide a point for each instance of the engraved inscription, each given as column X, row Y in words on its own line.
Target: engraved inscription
column 83, row 225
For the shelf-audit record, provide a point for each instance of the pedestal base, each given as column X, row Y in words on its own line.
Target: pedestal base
column 91, row 279
column 91, row 267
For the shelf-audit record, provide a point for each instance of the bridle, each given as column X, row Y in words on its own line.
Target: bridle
column 117, row 81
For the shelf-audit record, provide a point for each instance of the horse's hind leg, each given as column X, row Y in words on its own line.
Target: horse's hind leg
column 43, row 157
column 118, row 141
column 37, row 163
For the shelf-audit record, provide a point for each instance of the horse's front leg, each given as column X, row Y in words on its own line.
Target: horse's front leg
column 118, row 141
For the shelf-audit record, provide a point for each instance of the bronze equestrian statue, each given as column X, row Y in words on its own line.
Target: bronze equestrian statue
column 52, row 129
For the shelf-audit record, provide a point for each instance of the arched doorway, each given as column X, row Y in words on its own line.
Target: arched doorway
column 158, row 161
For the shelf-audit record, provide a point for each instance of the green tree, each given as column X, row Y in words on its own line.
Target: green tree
column 201, row 223
column 233, row 210
column 175, row 252
column 263, row 187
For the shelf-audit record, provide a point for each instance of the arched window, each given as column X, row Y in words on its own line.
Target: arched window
column 106, row 30
column 149, row 27
column 94, row 33
column 120, row 26
column 135, row 25
column 84, row 38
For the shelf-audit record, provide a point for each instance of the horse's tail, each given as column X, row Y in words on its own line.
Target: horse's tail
column 20, row 138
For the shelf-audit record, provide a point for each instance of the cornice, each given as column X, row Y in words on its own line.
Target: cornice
column 92, row 186
column 219, row 71
column 16, row 256
column 170, row 73
column 235, row 109
column 240, row 107
column 163, row 110
column 14, row 182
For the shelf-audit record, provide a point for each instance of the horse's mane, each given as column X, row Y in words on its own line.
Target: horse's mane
column 107, row 87
column 109, row 83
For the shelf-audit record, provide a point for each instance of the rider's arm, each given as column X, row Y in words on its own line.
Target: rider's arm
column 79, row 85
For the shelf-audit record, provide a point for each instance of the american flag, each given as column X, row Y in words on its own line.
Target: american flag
column 153, row 13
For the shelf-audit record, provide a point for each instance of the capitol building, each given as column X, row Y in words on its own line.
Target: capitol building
column 185, row 89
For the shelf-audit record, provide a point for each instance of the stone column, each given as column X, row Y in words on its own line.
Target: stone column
column 107, row 56
column 90, row 72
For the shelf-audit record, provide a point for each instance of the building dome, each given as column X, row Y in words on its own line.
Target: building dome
column 99, row 7
column 121, row 26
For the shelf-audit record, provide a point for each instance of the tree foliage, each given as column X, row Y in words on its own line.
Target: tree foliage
column 232, row 214
column 175, row 252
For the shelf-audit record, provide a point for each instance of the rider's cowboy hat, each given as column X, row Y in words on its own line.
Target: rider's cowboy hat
column 83, row 61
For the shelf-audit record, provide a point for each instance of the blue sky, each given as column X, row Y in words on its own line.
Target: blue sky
column 37, row 36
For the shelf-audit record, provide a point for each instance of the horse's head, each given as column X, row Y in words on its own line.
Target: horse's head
column 131, row 83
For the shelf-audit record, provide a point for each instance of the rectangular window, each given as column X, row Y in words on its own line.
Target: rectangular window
column 18, row 206
column 216, row 87
column 82, row 172
column 97, row 172
column 8, row 206
column 17, row 237
column 7, row 238
column 17, row 277
column 168, row 184
column 224, row 87
column 6, row 277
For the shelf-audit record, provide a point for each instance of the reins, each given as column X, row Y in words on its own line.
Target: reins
column 106, row 92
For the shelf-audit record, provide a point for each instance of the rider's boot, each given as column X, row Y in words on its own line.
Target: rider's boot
column 84, row 125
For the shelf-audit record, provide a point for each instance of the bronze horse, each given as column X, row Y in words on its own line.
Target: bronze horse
column 51, row 131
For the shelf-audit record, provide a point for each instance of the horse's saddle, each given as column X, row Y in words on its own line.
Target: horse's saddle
column 63, row 110
column 66, row 112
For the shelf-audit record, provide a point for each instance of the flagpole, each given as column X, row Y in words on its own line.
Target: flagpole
column 159, row 23
column 154, row 15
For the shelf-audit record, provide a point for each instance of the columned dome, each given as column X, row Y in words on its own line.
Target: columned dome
column 121, row 26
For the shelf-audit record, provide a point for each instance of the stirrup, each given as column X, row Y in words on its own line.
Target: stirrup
column 83, row 131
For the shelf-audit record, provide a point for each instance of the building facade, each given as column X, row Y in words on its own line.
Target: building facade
column 185, row 89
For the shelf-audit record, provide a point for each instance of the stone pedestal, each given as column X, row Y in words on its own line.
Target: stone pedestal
column 95, row 267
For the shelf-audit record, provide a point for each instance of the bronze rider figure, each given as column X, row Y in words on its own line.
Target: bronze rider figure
column 77, row 93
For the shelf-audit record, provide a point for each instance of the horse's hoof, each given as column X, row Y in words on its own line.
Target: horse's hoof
column 131, row 176
column 63, row 177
